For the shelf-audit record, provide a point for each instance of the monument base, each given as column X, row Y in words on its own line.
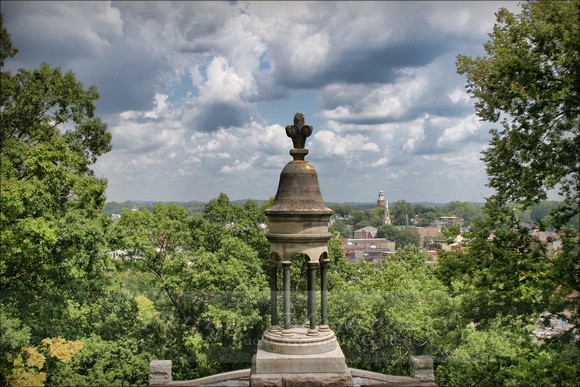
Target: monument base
column 297, row 358
column 301, row 380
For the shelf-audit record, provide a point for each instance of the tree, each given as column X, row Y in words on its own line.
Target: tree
column 464, row 209
column 402, row 213
column 370, row 313
column 7, row 50
column 450, row 233
column 213, row 297
column 49, row 138
column 51, row 233
column 528, row 81
column 402, row 236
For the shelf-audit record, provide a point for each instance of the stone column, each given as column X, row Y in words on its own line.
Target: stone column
column 286, row 294
column 323, row 296
column 274, row 296
column 312, row 298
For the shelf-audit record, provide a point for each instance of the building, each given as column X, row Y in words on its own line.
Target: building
column 381, row 199
column 365, row 233
column 448, row 221
column 431, row 232
column 370, row 249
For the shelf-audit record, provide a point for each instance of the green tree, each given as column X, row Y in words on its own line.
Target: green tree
column 213, row 298
column 369, row 310
column 244, row 221
column 103, row 363
column 504, row 354
column 49, row 138
column 55, row 274
column 450, row 232
column 508, row 273
column 402, row 236
column 402, row 213
column 467, row 211
column 7, row 50
column 528, row 81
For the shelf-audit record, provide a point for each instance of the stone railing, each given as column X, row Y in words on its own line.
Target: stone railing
column 422, row 375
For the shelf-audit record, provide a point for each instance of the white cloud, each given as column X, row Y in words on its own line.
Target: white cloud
column 466, row 127
column 380, row 162
column 349, row 147
column 415, row 133
column 181, row 83
column 222, row 83
column 160, row 106
column 459, row 96
column 239, row 166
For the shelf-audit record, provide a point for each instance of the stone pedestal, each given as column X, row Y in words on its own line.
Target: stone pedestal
column 296, row 358
column 160, row 372
column 422, row 368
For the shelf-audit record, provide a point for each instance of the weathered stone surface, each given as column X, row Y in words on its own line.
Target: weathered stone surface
column 276, row 363
column 422, row 368
column 363, row 378
column 297, row 341
column 301, row 380
column 160, row 372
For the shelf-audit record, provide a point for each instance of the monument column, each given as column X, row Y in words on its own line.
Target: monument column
column 274, row 296
column 323, row 296
column 299, row 355
column 286, row 296
column 312, row 330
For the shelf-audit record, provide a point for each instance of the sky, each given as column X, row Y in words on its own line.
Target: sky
column 197, row 94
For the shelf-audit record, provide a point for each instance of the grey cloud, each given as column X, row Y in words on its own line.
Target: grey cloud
column 364, row 65
column 221, row 115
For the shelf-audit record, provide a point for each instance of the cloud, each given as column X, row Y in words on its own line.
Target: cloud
column 380, row 162
column 239, row 166
column 464, row 129
column 71, row 30
column 197, row 94
column 348, row 148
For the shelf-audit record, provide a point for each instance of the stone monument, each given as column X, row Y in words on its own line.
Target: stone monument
column 298, row 354
column 289, row 354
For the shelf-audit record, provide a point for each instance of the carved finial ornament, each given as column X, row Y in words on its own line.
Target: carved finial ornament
column 298, row 133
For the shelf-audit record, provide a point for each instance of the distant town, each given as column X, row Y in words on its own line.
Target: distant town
column 372, row 231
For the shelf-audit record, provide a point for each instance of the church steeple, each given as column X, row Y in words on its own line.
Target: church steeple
column 387, row 217
column 383, row 202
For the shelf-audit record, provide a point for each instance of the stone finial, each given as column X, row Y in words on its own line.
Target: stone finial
column 298, row 133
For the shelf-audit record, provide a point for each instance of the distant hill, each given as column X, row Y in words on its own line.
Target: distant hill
column 259, row 202
column 369, row 205
column 196, row 207
column 192, row 207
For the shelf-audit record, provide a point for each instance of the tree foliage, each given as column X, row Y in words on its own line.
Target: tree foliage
column 505, row 278
column 50, row 198
column 383, row 315
column 402, row 236
column 528, row 82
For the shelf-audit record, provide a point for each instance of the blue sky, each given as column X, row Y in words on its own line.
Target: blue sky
column 196, row 94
